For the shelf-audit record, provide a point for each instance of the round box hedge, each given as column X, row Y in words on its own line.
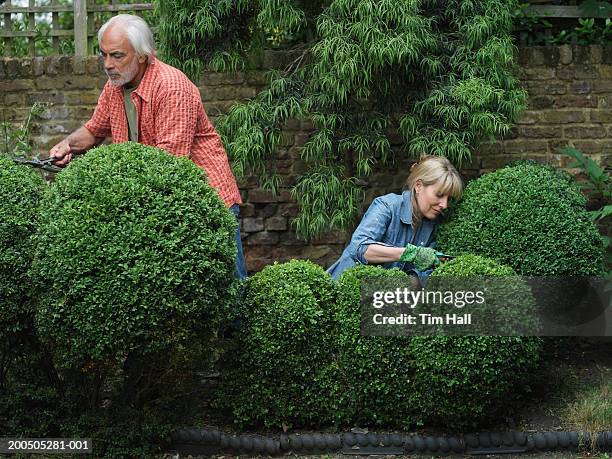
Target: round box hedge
column 373, row 379
column 527, row 216
column 136, row 252
column 21, row 190
column 278, row 373
column 461, row 380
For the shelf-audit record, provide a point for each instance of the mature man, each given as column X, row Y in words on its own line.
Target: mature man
column 155, row 104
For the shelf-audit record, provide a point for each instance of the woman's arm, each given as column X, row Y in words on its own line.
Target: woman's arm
column 376, row 253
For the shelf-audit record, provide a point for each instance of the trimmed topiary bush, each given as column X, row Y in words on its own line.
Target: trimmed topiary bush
column 374, row 373
column 529, row 217
column 463, row 380
column 278, row 372
column 137, row 254
column 21, row 190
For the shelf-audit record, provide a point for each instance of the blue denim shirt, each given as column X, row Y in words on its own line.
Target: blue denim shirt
column 388, row 221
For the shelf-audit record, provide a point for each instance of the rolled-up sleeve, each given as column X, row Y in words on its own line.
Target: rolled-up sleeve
column 371, row 230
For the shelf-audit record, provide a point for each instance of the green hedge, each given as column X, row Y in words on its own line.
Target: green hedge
column 461, row 380
column 137, row 254
column 278, row 373
column 21, row 190
column 529, row 217
column 373, row 382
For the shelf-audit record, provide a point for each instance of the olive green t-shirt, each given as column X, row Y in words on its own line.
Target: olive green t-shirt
column 132, row 114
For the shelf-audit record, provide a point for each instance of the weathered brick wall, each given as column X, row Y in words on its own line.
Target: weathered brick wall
column 570, row 103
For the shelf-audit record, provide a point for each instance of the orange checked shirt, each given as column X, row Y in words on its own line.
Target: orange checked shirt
column 170, row 116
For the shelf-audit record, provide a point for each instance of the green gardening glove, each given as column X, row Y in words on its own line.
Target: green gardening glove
column 422, row 258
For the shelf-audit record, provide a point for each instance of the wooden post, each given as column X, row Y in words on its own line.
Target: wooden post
column 8, row 28
column 31, row 28
column 55, row 26
column 80, row 28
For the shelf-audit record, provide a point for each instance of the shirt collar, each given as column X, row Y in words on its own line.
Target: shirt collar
column 145, row 87
column 406, row 208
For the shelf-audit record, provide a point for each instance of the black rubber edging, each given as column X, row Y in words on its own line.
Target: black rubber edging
column 198, row 441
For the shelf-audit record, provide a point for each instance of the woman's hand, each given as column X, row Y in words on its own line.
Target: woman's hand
column 423, row 258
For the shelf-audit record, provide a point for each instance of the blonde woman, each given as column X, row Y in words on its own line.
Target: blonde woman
column 398, row 231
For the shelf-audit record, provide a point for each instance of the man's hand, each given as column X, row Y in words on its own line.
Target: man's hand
column 79, row 141
column 62, row 152
column 422, row 258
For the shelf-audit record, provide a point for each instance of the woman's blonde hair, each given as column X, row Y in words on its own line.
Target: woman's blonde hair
column 431, row 170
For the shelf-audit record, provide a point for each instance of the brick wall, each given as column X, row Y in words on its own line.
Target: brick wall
column 570, row 102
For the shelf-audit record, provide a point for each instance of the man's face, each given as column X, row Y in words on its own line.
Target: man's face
column 121, row 64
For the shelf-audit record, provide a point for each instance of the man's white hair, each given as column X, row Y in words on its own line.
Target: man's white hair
column 137, row 32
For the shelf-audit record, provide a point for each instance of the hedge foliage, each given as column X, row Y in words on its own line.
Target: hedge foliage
column 137, row 253
column 300, row 359
column 463, row 379
column 21, row 190
column 278, row 373
column 374, row 373
column 529, row 217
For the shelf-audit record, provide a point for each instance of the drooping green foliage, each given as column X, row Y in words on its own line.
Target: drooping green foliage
column 277, row 374
column 372, row 384
column 529, row 217
column 21, row 190
column 438, row 72
column 135, row 254
column 464, row 379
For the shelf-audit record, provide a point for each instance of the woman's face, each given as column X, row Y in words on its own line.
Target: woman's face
column 430, row 199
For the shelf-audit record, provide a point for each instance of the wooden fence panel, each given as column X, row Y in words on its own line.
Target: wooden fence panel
column 86, row 12
column 83, row 31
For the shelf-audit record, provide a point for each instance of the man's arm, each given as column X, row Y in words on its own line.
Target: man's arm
column 79, row 141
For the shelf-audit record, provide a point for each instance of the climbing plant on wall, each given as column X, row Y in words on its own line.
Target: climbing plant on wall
column 438, row 72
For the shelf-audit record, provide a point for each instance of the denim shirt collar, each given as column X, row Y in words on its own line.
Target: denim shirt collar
column 406, row 208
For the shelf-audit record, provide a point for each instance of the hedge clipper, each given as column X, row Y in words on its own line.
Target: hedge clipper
column 443, row 257
column 44, row 164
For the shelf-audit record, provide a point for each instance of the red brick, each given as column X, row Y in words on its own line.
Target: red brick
column 538, row 132
column 601, row 116
column 267, row 210
column 528, row 117
column 602, row 87
column 539, row 102
column 262, row 238
column 252, row 225
column 561, row 116
column 575, row 102
column 290, row 238
column 247, row 210
column 8, row 86
column 524, row 146
column 288, row 209
column 580, row 87
column 259, row 195
column 276, row 224
column 537, row 73
column 584, row 132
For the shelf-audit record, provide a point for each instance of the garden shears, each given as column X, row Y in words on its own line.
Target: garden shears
column 443, row 257
column 44, row 164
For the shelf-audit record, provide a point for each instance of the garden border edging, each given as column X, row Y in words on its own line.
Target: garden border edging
column 197, row 441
